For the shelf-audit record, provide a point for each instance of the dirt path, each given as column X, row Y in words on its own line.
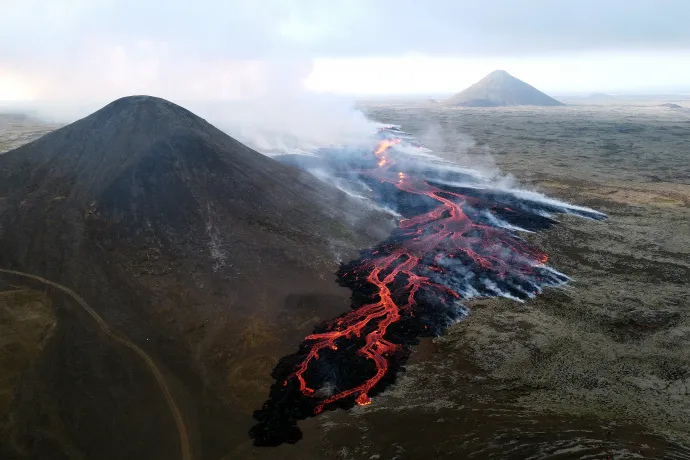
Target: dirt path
column 186, row 452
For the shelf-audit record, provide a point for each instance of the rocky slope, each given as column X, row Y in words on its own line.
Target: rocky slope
column 208, row 256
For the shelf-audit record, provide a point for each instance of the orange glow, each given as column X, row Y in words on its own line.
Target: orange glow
column 385, row 145
column 363, row 400
column 446, row 224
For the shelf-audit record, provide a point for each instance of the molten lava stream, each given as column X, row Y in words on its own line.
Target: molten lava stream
column 447, row 228
column 459, row 242
column 380, row 314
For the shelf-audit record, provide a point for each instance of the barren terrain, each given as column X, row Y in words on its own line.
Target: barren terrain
column 613, row 346
column 17, row 129
column 600, row 369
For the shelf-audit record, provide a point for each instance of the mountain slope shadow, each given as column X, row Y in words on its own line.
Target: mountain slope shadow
column 181, row 239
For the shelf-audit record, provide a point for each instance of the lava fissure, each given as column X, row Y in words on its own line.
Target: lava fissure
column 451, row 246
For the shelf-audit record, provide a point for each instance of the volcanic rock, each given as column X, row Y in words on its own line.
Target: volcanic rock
column 499, row 88
column 194, row 249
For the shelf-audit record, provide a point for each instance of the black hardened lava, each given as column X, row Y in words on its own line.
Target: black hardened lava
column 457, row 239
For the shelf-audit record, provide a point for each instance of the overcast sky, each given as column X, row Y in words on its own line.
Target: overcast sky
column 87, row 49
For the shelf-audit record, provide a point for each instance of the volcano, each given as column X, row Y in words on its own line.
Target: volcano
column 181, row 265
column 499, row 88
column 168, row 249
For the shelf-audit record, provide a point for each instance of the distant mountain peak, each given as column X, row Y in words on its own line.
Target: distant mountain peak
column 500, row 72
column 499, row 88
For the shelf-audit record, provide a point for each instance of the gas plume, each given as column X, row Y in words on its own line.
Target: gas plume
column 458, row 238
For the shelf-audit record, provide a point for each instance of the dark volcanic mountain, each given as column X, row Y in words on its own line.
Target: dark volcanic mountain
column 184, row 246
column 499, row 88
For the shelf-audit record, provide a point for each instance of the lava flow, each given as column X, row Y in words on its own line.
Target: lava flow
column 457, row 240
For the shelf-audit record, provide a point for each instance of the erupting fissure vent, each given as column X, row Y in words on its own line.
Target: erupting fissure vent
column 458, row 239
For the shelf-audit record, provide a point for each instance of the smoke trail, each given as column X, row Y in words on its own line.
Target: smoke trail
column 457, row 239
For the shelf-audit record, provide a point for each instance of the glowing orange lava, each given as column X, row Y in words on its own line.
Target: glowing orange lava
column 457, row 238
column 445, row 226
column 385, row 145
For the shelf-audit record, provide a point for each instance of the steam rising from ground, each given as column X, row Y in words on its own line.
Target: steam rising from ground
column 457, row 238
column 300, row 123
column 332, row 160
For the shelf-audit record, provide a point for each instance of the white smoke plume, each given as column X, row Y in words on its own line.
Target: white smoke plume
column 263, row 104
column 289, row 123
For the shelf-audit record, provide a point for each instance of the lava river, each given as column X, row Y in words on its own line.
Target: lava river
column 457, row 238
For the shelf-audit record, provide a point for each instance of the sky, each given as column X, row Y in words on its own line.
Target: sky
column 235, row 49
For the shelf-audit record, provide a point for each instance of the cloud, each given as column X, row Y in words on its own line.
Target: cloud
column 507, row 27
column 104, row 48
column 246, row 29
column 225, row 48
